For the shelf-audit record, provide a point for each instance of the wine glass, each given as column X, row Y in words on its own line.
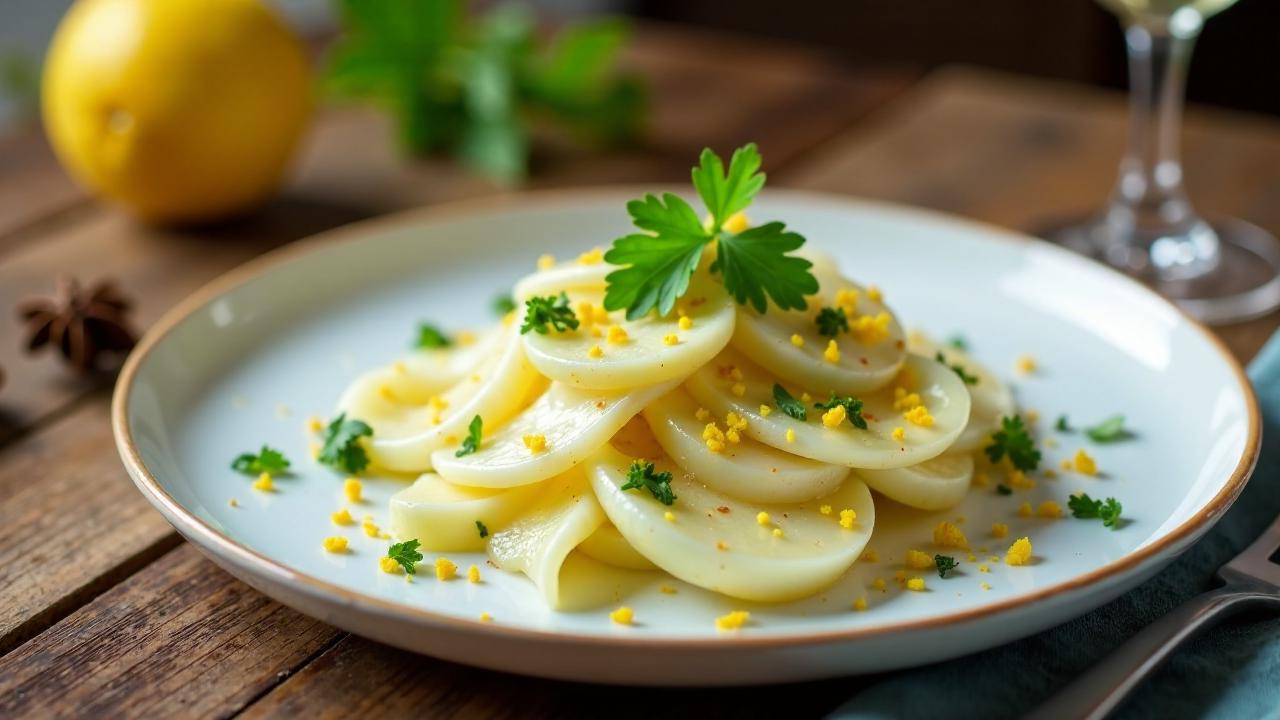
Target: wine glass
column 1219, row 270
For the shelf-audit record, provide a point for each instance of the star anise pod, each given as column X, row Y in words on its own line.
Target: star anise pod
column 82, row 325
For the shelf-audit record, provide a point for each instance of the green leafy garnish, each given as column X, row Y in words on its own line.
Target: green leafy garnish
column 1061, row 424
column 831, row 322
column 957, row 369
column 945, row 564
column 406, row 553
column 754, row 263
column 1014, row 441
column 958, row 342
column 503, row 304
column 1109, row 430
column 547, row 311
column 788, row 404
column 1085, row 507
column 470, row 86
column 1003, row 489
column 342, row 449
column 641, row 476
column 852, row 409
column 267, row 460
column 471, row 442
column 480, row 528
column 430, row 337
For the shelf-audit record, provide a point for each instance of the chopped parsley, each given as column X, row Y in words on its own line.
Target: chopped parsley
column 957, row 369
column 430, row 337
column 503, row 304
column 267, row 460
column 1085, row 507
column 1108, row 431
column 471, row 442
column 342, row 449
column 480, row 528
column 1013, row 441
column 852, row 409
column 1062, row 425
column 788, row 404
column 958, row 342
column 640, row 476
column 548, row 311
column 945, row 564
column 406, row 553
column 832, row 322
column 1003, row 489
column 658, row 262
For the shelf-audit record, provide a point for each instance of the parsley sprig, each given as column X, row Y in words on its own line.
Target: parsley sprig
column 787, row 403
column 267, row 460
column 852, row 409
column 1108, row 431
column 959, row 370
column 1085, row 507
column 831, row 322
column 430, row 337
column 945, row 564
column 342, row 449
column 471, row 442
column 406, row 553
column 1013, row 441
column 641, row 476
column 754, row 263
column 480, row 528
column 1062, row 424
column 542, row 314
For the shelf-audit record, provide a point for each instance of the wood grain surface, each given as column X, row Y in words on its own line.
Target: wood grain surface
column 140, row 625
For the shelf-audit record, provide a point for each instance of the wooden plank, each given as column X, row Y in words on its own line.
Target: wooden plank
column 32, row 186
column 1023, row 153
column 179, row 639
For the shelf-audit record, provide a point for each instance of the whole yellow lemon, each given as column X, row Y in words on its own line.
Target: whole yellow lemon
column 181, row 110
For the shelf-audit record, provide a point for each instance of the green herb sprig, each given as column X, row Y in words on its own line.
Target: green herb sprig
column 1108, row 431
column 959, row 370
column 431, row 338
column 852, row 409
column 945, row 564
column 831, row 322
column 1013, row 441
column 641, row 476
column 544, row 314
column 471, row 442
column 342, row 450
column 266, row 460
column 480, row 528
column 406, row 553
column 1084, row 507
column 787, row 403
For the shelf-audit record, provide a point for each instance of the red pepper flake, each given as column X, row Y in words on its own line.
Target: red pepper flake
column 599, row 404
column 900, row 345
column 697, row 301
column 864, row 360
column 722, row 509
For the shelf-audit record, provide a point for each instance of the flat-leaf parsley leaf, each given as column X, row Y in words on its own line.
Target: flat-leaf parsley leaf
column 480, row 528
column 342, row 449
column 406, row 553
column 550, row 310
column 1062, row 424
column 831, row 322
column 471, row 442
column 788, row 404
column 1014, row 441
column 1110, row 430
column 641, row 476
column 430, row 337
column 945, row 564
column 965, row 377
column 1085, row 507
column 267, row 460
column 852, row 409
column 754, row 263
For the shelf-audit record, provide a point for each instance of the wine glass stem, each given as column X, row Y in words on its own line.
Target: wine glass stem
column 1149, row 216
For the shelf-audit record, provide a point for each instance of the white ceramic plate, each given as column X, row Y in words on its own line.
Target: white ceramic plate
column 250, row 357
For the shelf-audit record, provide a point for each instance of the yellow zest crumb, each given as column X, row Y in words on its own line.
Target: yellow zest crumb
column 685, row 322
column 535, row 443
column 702, row 414
column 903, row 400
column 916, row 584
column 985, row 586
column 999, row 530
column 981, row 479
column 1085, row 464
column 353, row 489
column 791, row 435
column 445, row 569
column 847, row 300
column 832, row 353
column 1049, row 509
column 736, row 223
column 1019, row 479
column 473, row 574
column 264, row 483
column 389, row 565
column 733, row 621
column 623, row 615
column 722, row 546
column 948, row 535
column 860, row 604
column 1025, row 364
column 762, row 518
column 335, row 544
column 984, row 568
column 972, row 558
column 918, row 560
column 847, row 518
column 585, row 310
column 370, row 528
column 667, row 590
column 1050, row 474
column 714, row 437
column 806, row 398
column 314, row 424
column 738, row 389
column 869, row 555
column 546, row 262
column 899, row 434
column 879, row 584
column 919, row 415
column 1066, row 464
column 616, row 335
column 1030, row 415
column 669, row 516
column 870, row 330
column 595, row 352
column 874, row 294
column 825, row 509
column 386, row 392
column 341, row 517
column 735, row 373
column 486, row 617
column 233, row 503
column 833, row 417
column 594, row 256
column 1024, row 510
column 797, row 341
column 670, row 339
column 314, row 448
column 1019, row 552
column 765, row 410
column 735, row 421
column 777, row 532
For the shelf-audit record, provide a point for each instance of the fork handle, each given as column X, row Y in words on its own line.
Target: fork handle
column 1104, row 686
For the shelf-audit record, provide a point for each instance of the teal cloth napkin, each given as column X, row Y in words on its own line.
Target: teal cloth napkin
column 1229, row 672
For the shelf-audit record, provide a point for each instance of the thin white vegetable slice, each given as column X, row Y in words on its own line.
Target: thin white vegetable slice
column 415, row 378
column 405, row 436
column 571, row 422
column 608, row 546
column 746, row 469
column 443, row 516
column 718, row 542
column 991, row 398
column 653, row 350
column 565, row 277
column 717, row 388
column 867, row 360
column 538, row 542
column 936, row 484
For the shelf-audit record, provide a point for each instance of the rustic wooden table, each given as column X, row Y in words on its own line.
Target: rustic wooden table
column 104, row 611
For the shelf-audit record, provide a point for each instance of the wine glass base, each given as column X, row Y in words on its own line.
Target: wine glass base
column 1245, row 284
